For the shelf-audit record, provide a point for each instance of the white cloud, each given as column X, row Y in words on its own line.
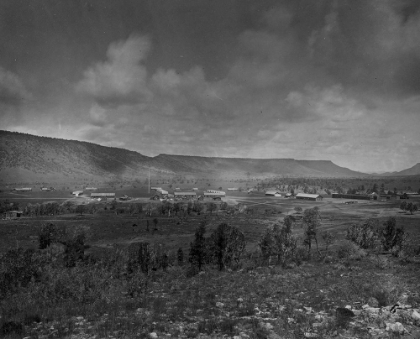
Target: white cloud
column 328, row 103
column 122, row 78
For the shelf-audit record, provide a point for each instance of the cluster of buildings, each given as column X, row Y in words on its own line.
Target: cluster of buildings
column 190, row 195
column 299, row 196
column 10, row 215
column 29, row 189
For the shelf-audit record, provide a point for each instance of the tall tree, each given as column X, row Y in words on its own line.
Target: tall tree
column 228, row 243
column 311, row 221
column 198, row 247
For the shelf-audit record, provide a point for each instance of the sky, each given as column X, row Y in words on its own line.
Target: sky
column 318, row 80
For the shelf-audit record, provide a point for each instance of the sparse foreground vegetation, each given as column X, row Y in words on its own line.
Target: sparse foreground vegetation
column 363, row 286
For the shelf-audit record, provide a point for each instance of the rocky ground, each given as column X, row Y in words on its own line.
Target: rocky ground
column 315, row 300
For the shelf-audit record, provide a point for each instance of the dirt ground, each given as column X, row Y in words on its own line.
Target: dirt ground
column 108, row 229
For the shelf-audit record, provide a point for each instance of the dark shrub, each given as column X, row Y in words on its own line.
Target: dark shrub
column 391, row 235
column 10, row 328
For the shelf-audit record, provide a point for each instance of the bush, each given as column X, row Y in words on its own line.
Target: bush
column 349, row 250
column 392, row 238
column 139, row 258
column 410, row 249
column 17, row 268
column 180, row 257
column 47, row 234
column 198, row 248
column 328, row 239
column 364, row 235
column 301, row 254
column 279, row 241
column 75, row 250
column 136, row 284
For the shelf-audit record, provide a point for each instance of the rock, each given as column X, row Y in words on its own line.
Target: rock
column 395, row 328
column 415, row 315
column 328, row 259
column 266, row 326
column 342, row 313
column 269, row 326
column 373, row 302
column 372, row 310
column 374, row 331
column 310, row 335
column 291, row 265
column 317, row 325
column 237, row 337
column 80, row 318
column 153, row 335
column 240, row 300
column 308, row 309
column 403, row 298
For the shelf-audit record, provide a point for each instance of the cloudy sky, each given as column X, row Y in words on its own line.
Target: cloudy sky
column 303, row 79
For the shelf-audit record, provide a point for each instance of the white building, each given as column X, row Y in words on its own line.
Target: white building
column 313, row 197
column 273, row 193
column 106, row 195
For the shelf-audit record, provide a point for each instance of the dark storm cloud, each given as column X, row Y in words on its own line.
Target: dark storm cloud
column 366, row 44
column 230, row 78
column 12, row 90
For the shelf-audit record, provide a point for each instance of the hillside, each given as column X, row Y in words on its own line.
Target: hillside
column 251, row 167
column 29, row 158
column 415, row 170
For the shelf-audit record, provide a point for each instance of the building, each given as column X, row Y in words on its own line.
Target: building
column 232, row 189
column 195, row 189
column 162, row 191
column 45, row 189
column 273, row 193
column 23, row 189
column 90, row 188
column 155, row 188
column 185, row 195
column 12, row 215
column 102, row 195
column 77, row 193
column 385, row 197
column 216, row 191
column 312, row 197
column 216, row 195
column 352, row 196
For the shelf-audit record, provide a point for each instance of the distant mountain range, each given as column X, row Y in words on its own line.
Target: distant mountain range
column 415, row 170
column 30, row 158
